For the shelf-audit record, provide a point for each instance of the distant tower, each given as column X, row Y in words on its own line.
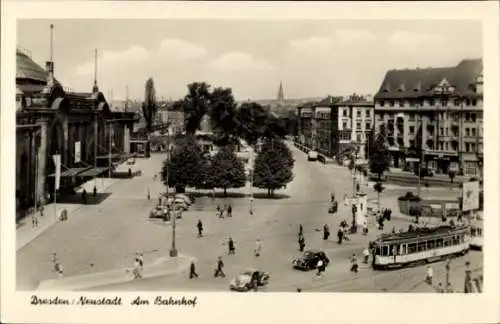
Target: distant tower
column 95, row 88
column 281, row 95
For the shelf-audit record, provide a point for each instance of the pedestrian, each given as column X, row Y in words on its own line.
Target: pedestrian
column 429, row 275
column 366, row 254
column 340, row 235
column 301, row 230
column 41, row 208
column 95, row 192
column 218, row 212
column 332, row 197
column 200, row 228
column 345, row 200
column 58, row 269
column 140, row 258
column 299, row 290
column 84, row 196
column 365, row 227
column 149, row 195
column 354, row 262
column 320, row 267
column 440, row 288
column 192, row 271
column 229, row 211
column 54, row 258
column 326, row 232
column 346, row 234
column 468, row 279
column 218, row 270
column 130, row 174
column 302, row 243
column 137, row 269
column 393, row 230
column 251, row 205
column 258, row 248
column 230, row 245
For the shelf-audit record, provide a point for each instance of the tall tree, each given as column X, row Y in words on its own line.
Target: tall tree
column 251, row 122
column 228, row 171
column 195, row 105
column 149, row 106
column 380, row 159
column 183, row 168
column 273, row 168
column 223, row 116
column 205, row 179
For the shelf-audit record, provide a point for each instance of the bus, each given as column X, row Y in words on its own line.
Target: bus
column 421, row 245
column 476, row 235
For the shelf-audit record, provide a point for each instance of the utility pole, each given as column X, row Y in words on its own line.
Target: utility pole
column 173, row 250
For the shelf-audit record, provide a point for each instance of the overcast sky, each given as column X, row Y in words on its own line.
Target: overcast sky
column 313, row 58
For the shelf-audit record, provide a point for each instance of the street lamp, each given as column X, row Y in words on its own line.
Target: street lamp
column 173, row 249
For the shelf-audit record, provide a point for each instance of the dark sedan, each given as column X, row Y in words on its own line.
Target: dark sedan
column 309, row 260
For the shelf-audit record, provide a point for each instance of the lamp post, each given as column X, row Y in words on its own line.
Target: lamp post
column 173, row 249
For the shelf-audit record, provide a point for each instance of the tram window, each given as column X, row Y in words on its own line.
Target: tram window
column 446, row 242
column 403, row 249
column 473, row 231
column 412, row 248
column 385, row 250
column 455, row 240
column 462, row 238
column 439, row 243
column 479, row 232
column 377, row 250
column 421, row 246
column 431, row 244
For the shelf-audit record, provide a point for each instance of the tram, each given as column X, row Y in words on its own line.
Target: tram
column 420, row 245
column 476, row 238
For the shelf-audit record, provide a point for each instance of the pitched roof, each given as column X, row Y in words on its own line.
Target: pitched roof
column 412, row 83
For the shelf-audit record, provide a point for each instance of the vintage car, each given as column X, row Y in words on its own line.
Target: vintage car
column 309, row 260
column 159, row 212
column 312, row 156
column 188, row 200
column 245, row 280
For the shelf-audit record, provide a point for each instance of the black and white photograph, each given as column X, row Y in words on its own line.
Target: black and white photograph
column 250, row 156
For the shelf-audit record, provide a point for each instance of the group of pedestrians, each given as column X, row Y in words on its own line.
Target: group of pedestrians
column 226, row 211
column 343, row 232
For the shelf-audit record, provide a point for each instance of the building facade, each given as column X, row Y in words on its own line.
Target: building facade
column 436, row 113
column 332, row 125
column 52, row 120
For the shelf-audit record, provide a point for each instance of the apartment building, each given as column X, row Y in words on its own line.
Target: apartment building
column 331, row 125
column 439, row 110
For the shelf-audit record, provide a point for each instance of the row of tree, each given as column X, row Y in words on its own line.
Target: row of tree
column 190, row 167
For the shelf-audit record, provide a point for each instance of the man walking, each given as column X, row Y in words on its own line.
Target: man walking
column 326, row 232
column 218, row 270
column 229, row 211
column 200, row 228
column 320, row 267
column 230, row 245
column 95, row 192
column 366, row 255
column 429, row 275
column 258, row 248
column 302, row 243
column 354, row 262
column 301, row 230
column 192, row 271
column 340, row 235
column 84, row 196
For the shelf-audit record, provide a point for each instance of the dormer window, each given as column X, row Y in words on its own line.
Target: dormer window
column 401, row 88
column 386, row 88
column 417, row 87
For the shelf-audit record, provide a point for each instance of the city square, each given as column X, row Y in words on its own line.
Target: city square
column 265, row 175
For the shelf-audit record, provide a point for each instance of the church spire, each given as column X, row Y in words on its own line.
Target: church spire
column 95, row 88
column 281, row 96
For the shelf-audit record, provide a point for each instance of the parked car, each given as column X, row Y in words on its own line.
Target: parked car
column 312, row 156
column 180, row 204
column 159, row 212
column 131, row 161
column 188, row 200
column 309, row 260
column 245, row 280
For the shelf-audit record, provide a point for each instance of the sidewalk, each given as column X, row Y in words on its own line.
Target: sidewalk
column 161, row 267
column 25, row 232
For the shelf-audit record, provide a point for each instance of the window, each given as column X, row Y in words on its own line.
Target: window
column 467, row 102
column 367, row 114
column 441, row 146
column 412, row 130
column 467, row 147
column 382, row 103
column 412, row 248
column 473, row 131
column 421, row 246
column 473, row 117
column 441, row 131
column 358, row 125
column 391, row 103
column 401, row 103
column 358, row 137
column 345, row 112
column 456, row 102
column 431, row 102
column 344, row 125
column 473, row 147
column 439, row 243
column 467, row 131
column 368, row 126
column 412, row 143
column 446, row 146
column 385, row 250
column 474, row 102
column 411, row 117
column 358, row 113
column 431, row 244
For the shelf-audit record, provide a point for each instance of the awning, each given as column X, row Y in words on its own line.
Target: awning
column 69, row 173
column 94, row 172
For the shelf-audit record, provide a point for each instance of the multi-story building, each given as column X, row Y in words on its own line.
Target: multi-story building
column 436, row 113
column 167, row 112
column 332, row 125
